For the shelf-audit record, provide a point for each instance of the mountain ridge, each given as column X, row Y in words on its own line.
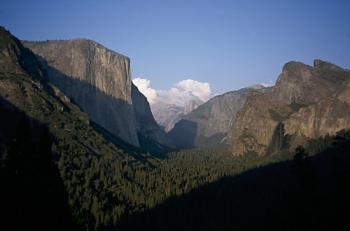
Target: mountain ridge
column 209, row 123
column 293, row 101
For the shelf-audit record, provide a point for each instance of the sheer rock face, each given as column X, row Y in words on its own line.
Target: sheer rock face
column 210, row 122
column 251, row 120
column 299, row 82
column 89, row 62
column 145, row 122
column 98, row 80
column 307, row 102
column 325, row 117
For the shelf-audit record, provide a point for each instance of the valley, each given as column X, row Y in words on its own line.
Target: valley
column 81, row 150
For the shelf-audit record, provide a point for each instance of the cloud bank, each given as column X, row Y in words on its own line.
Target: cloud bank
column 181, row 94
column 144, row 86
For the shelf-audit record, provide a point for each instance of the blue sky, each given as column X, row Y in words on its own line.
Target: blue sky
column 229, row 44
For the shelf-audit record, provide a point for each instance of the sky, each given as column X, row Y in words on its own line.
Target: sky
column 228, row 44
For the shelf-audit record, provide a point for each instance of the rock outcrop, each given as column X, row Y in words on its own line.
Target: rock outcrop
column 208, row 125
column 98, row 80
column 306, row 102
column 149, row 132
column 167, row 114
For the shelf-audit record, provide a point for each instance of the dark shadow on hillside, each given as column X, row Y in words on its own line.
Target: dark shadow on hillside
column 213, row 141
column 279, row 140
column 184, row 134
column 111, row 117
column 32, row 195
column 302, row 194
column 130, row 149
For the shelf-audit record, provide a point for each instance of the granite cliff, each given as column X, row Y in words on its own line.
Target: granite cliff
column 306, row 102
column 52, row 157
column 98, row 80
column 208, row 125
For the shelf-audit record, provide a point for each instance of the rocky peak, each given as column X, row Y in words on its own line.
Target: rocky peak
column 306, row 102
column 15, row 57
column 294, row 72
column 301, row 82
column 323, row 65
column 5, row 38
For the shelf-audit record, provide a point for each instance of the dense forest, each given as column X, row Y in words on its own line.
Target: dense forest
column 60, row 171
column 307, row 192
column 206, row 189
column 56, row 166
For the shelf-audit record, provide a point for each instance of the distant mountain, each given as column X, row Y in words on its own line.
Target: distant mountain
column 98, row 80
column 208, row 125
column 167, row 114
column 307, row 102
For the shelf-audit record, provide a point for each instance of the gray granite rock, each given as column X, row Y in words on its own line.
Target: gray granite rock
column 98, row 80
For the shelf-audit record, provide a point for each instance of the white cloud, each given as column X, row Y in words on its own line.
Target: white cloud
column 198, row 89
column 144, row 86
column 181, row 94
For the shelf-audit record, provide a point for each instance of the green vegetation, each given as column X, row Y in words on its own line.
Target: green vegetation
column 58, row 172
column 105, row 185
column 102, row 190
column 295, row 106
column 105, row 190
column 246, row 135
column 309, row 192
column 279, row 114
column 103, row 182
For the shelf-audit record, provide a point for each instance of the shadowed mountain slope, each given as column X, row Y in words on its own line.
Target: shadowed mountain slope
column 306, row 193
column 98, row 80
column 209, row 124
